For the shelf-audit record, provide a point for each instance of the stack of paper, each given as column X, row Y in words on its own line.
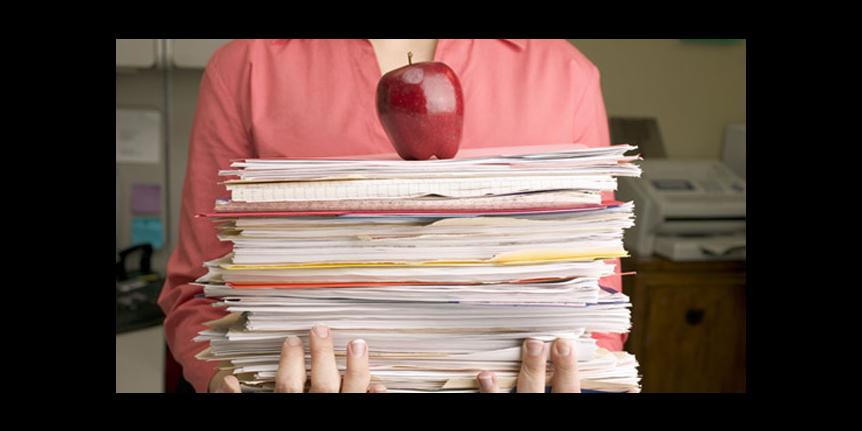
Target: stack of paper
column 444, row 267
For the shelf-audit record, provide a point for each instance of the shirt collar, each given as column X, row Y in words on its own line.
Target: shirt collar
column 520, row 44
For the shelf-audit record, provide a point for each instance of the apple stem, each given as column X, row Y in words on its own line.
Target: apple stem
column 410, row 57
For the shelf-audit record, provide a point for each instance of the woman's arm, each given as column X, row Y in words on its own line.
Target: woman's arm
column 218, row 136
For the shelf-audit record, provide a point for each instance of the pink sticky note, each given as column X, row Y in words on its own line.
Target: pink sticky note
column 146, row 198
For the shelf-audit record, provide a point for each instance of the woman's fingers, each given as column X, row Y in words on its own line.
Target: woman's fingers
column 487, row 382
column 291, row 366
column 324, row 372
column 229, row 385
column 565, row 377
column 356, row 378
column 533, row 364
column 377, row 389
column 291, row 375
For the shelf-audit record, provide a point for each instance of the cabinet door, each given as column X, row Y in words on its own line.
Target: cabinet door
column 693, row 336
column 137, row 53
column 195, row 53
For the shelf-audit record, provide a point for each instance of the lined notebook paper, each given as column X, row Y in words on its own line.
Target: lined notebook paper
column 412, row 188
column 558, row 199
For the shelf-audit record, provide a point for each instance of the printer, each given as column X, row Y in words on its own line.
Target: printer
column 686, row 210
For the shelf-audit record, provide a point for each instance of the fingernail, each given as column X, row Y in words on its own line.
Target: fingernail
column 321, row 331
column 563, row 347
column 535, row 347
column 293, row 340
column 357, row 348
column 486, row 380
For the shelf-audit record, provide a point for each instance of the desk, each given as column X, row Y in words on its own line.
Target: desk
column 688, row 322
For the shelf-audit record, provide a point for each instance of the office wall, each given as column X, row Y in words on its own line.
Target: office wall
column 694, row 90
column 140, row 90
column 143, row 89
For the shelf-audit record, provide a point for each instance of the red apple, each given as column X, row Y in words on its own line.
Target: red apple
column 421, row 107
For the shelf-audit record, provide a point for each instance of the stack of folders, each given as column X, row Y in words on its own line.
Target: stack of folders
column 444, row 267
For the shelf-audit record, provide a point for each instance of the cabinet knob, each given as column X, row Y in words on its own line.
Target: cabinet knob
column 694, row 316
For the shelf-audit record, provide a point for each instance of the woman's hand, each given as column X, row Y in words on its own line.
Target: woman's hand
column 224, row 382
column 531, row 378
column 291, row 375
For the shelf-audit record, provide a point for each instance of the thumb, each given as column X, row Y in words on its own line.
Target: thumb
column 230, row 385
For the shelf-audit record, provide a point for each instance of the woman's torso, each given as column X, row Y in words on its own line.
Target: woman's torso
column 312, row 98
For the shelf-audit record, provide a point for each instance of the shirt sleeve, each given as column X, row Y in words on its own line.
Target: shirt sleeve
column 591, row 129
column 218, row 136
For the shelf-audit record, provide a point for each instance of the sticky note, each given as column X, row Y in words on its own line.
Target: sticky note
column 148, row 230
column 146, row 199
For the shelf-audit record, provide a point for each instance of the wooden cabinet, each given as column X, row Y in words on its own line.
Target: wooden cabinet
column 688, row 324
